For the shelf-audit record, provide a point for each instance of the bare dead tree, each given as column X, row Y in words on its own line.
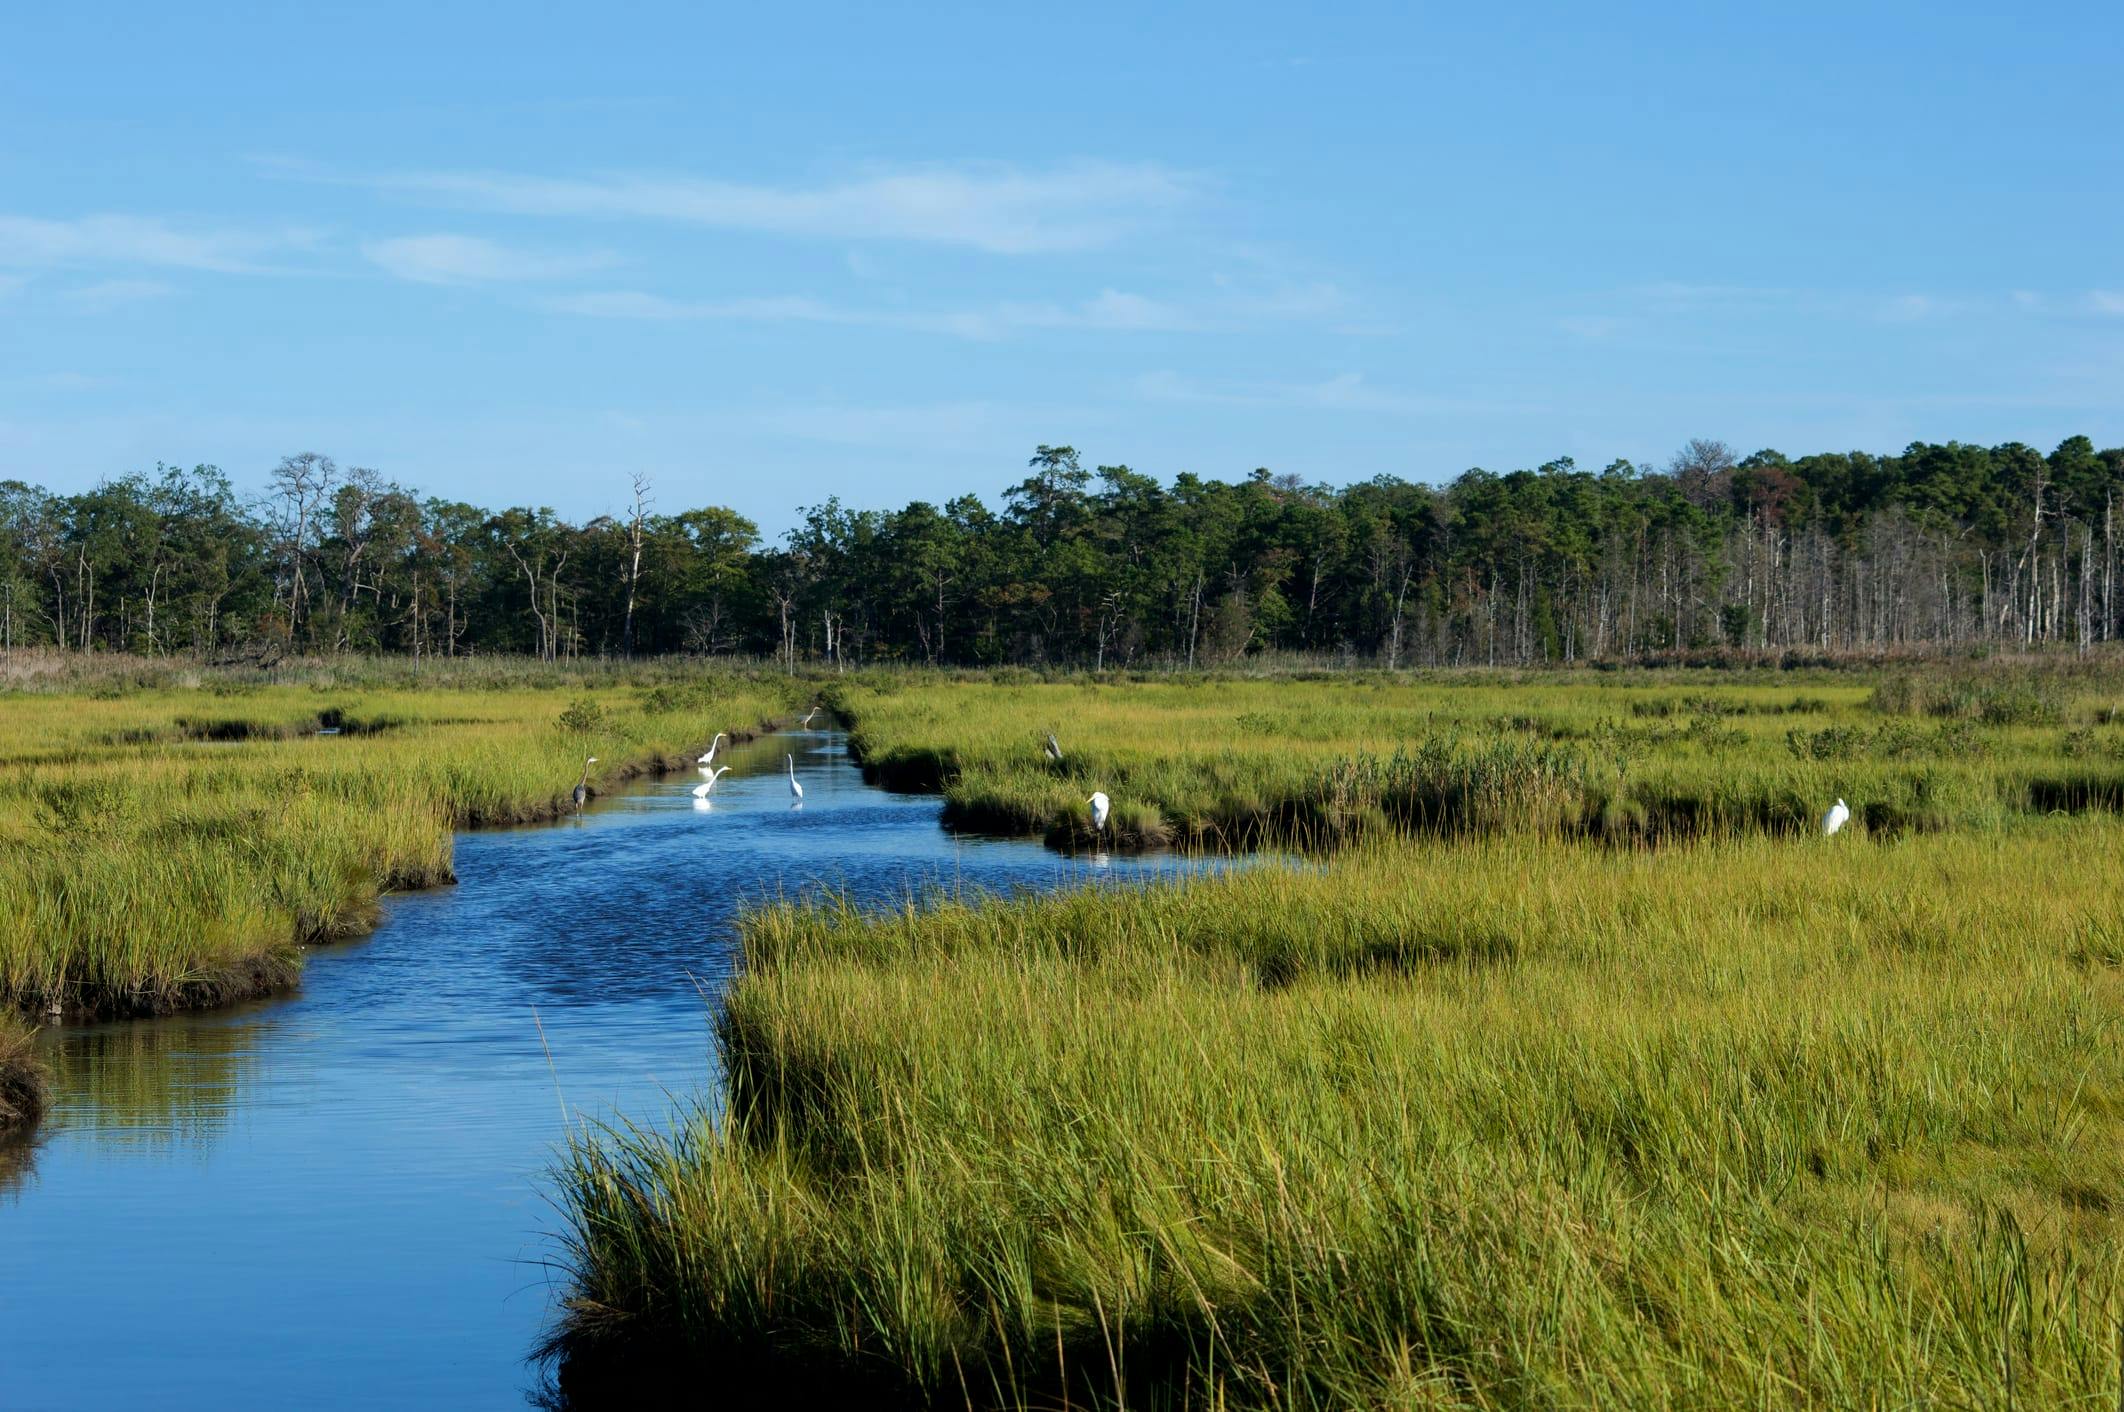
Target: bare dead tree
column 353, row 515
column 636, row 519
column 300, row 484
column 1701, row 469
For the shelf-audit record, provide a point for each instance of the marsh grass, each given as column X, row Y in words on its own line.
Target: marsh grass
column 1492, row 1122
column 1471, row 1111
column 1629, row 757
column 167, row 846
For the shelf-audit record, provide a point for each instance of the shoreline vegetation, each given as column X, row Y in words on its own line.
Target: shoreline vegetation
column 1473, row 1107
column 173, row 837
column 1625, row 758
column 22, row 1079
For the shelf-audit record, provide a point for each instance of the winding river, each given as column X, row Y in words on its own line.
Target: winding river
column 337, row 1199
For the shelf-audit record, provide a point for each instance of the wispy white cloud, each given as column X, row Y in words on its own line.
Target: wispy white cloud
column 2092, row 301
column 1116, row 309
column 468, row 259
column 68, row 381
column 1349, row 392
column 953, row 426
column 106, row 295
column 1682, row 294
column 986, row 206
column 30, row 242
column 636, row 304
column 1906, row 306
column 1345, row 392
column 1110, row 310
column 1909, row 308
column 1315, row 299
column 1592, row 327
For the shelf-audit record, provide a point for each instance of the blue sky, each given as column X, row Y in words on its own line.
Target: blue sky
column 513, row 254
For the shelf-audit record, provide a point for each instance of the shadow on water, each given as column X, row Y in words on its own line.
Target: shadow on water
column 334, row 1200
column 18, row 1156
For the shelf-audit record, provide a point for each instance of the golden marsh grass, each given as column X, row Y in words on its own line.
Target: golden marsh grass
column 1483, row 1117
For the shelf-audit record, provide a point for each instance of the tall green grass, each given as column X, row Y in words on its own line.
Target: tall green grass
column 169, row 845
column 1222, row 764
column 1500, row 1122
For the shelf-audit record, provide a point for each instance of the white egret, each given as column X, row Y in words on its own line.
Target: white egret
column 795, row 789
column 582, row 786
column 1839, row 814
column 1054, row 748
column 701, row 790
column 807, row 718
column 1101, row 806
column 709, row 758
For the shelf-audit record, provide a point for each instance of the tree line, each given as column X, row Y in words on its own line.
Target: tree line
column 1944, row 545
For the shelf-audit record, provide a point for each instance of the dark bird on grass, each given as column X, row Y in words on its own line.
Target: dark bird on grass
column 1054, row 748
column 582, row 786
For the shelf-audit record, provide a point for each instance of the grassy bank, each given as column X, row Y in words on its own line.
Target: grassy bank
column 1223, row 764
column 171, row 837
column 1495, row 1123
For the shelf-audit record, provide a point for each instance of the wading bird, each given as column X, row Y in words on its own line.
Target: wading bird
column 1054, row 748
column 1100, row 806
column 709, row 758
column 700, row 791
column 582, row 786
column 1839, row 814
column 795, row 789
column 807, row 718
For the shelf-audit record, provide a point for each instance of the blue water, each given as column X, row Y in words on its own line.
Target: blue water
column 338, row 1199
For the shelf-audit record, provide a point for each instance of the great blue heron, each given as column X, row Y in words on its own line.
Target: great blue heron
column 582, row 786
column 709, row 758
column 701, row 790
column 1054, row 748
column 1101, row 806
column 807, row 718
column 795, row 789
column 1839, row 814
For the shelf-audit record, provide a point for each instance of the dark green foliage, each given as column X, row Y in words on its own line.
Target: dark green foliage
column 583, row 717
column 1778, row 561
